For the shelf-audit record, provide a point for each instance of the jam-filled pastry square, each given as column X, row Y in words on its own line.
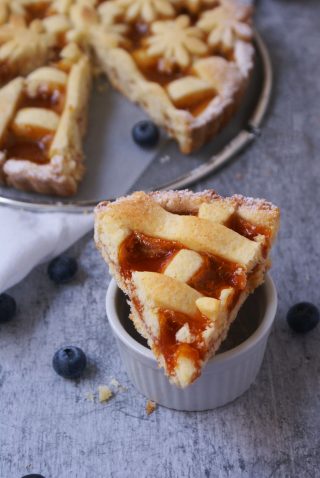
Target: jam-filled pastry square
column 42, row 122
column 186, row 62
column 187, row 262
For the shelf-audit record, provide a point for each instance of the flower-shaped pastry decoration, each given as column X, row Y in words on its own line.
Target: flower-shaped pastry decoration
column 176, row 42
column 23, row 8
column 194, row 6
column 110, row 12
column 8, row 7
column 225, row 24
column 147, row 10
column 103, row 23
column 115, row 34
column 61, row 6
column 114, row 30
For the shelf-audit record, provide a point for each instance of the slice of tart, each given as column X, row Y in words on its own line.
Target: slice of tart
column 184, row 62
column 187, row 262
column 42, row 121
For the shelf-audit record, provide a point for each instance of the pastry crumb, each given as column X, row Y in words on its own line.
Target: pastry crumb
column 114, row 382
column 90, row 397
column 164, row 159
column 104, row 393
column 150, row 407
column 117, row 385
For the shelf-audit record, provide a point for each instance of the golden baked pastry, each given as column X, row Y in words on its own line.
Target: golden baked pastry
column 187, row 261
column 30, row 33
column 42, row 121
column 186, row 62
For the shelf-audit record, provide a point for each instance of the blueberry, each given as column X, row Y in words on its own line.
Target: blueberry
column 303, row 317
column 62, row 269
column 69, row 362
column 145, row 133
column 33, row 475
column 8, row 307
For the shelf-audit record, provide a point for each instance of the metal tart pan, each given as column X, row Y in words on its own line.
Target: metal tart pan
column 116, row 166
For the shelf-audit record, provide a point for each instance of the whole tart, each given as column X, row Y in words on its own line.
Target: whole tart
column 185, row 62
column 187, row 261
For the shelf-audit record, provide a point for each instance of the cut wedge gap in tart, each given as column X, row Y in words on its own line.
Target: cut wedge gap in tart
column 186, row 63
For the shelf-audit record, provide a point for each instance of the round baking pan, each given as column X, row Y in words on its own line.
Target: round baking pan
column 116, row 165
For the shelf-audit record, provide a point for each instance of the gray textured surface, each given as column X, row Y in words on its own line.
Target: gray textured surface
column 47, row 425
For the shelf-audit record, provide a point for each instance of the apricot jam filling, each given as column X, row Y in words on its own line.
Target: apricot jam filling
column 250, row 231
column 170, row 322
column 199, row 107
column 216, row 275
column 6, row 73
column 138, row 31
column 246, row 228
column 35, row 142
column 46, row 97
column 34, row 148
column 150, row 254
column 39, row 10
column 143, row 253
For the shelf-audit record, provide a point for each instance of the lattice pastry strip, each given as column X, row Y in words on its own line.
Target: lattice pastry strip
column 42, row 126
column 187, row 262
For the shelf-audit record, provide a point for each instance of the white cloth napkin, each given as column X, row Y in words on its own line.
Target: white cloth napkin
column 28, row 238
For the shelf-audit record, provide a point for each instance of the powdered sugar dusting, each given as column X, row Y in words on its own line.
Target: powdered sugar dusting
column 164, row 159
column 187, row 200
column 253, row 203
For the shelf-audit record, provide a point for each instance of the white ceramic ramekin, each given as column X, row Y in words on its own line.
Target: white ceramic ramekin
column 224, row 378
